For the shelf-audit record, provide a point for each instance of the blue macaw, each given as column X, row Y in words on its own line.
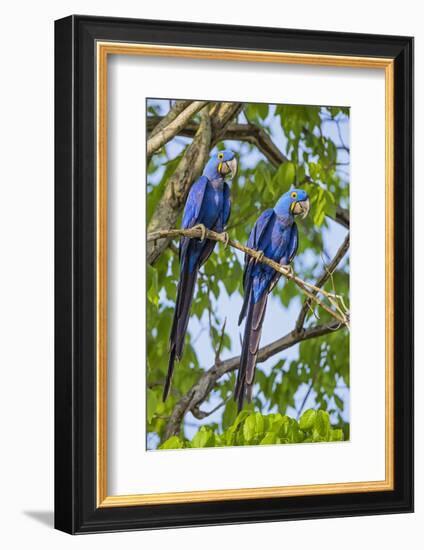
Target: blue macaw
column 208, row 206
column 275, row 236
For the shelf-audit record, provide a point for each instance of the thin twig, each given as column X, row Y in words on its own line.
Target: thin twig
column 328, row 272
column 221, row 343
column 307, row 394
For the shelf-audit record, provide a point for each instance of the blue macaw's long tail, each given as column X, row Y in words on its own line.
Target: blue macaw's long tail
column 250, row 347
column 185, row 291
column 190, row 265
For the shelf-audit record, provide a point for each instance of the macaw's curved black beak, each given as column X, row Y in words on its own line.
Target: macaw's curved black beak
column 302, row 207
column 229, row 168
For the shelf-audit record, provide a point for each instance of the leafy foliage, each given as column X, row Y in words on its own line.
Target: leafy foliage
column 313, row 139
column 257, row 429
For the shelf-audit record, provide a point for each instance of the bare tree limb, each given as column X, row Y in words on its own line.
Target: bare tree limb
column 207, row 381
column 308, row 289
column 168, row 132
column 161, row 122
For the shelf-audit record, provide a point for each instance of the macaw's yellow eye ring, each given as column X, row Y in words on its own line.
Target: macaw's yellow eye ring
column 220, row 156
column 293, row 195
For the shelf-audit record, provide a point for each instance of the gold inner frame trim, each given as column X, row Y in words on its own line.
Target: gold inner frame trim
column 104, row 49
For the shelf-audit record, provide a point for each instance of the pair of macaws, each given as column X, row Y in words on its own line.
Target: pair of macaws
column 274, row 234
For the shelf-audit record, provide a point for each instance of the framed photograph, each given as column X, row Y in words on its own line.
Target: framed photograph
column 234, row 274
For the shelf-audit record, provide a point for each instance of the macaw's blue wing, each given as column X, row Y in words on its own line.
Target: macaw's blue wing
column 226, row 210
column 277, row 248
column 293, row 245
column 201, row 208
column 256, row 241
column 288, row 256
column 194, row 202
column 192, row 210
column 256, row 238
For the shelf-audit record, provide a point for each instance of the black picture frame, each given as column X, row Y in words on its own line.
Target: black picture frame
column 76, row 510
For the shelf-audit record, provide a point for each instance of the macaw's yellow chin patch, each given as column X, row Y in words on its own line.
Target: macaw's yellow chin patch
column 219, row 167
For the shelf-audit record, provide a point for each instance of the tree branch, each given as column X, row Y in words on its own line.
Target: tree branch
column 161, row 122
column 207, row 381
column 200, row 415
column 308, row 289
column 307, row 394
column 161, row 137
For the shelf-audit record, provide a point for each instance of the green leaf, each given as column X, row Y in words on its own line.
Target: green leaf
column 338, row 401
column 204, row 438
column 230, row 413
column 269, row 439
column 262, row 109
column 152, row 402
column 271, row 429
column 253, row 426
column 152, row 285
column 336, row 435
column 307, row 420
column 285, row 176
column 300, row 174
column 173, row 442
column 322, row 423
column 251, row 111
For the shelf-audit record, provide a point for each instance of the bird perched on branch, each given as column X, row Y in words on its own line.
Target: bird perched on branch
column 275, row 236
column 208, row 206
